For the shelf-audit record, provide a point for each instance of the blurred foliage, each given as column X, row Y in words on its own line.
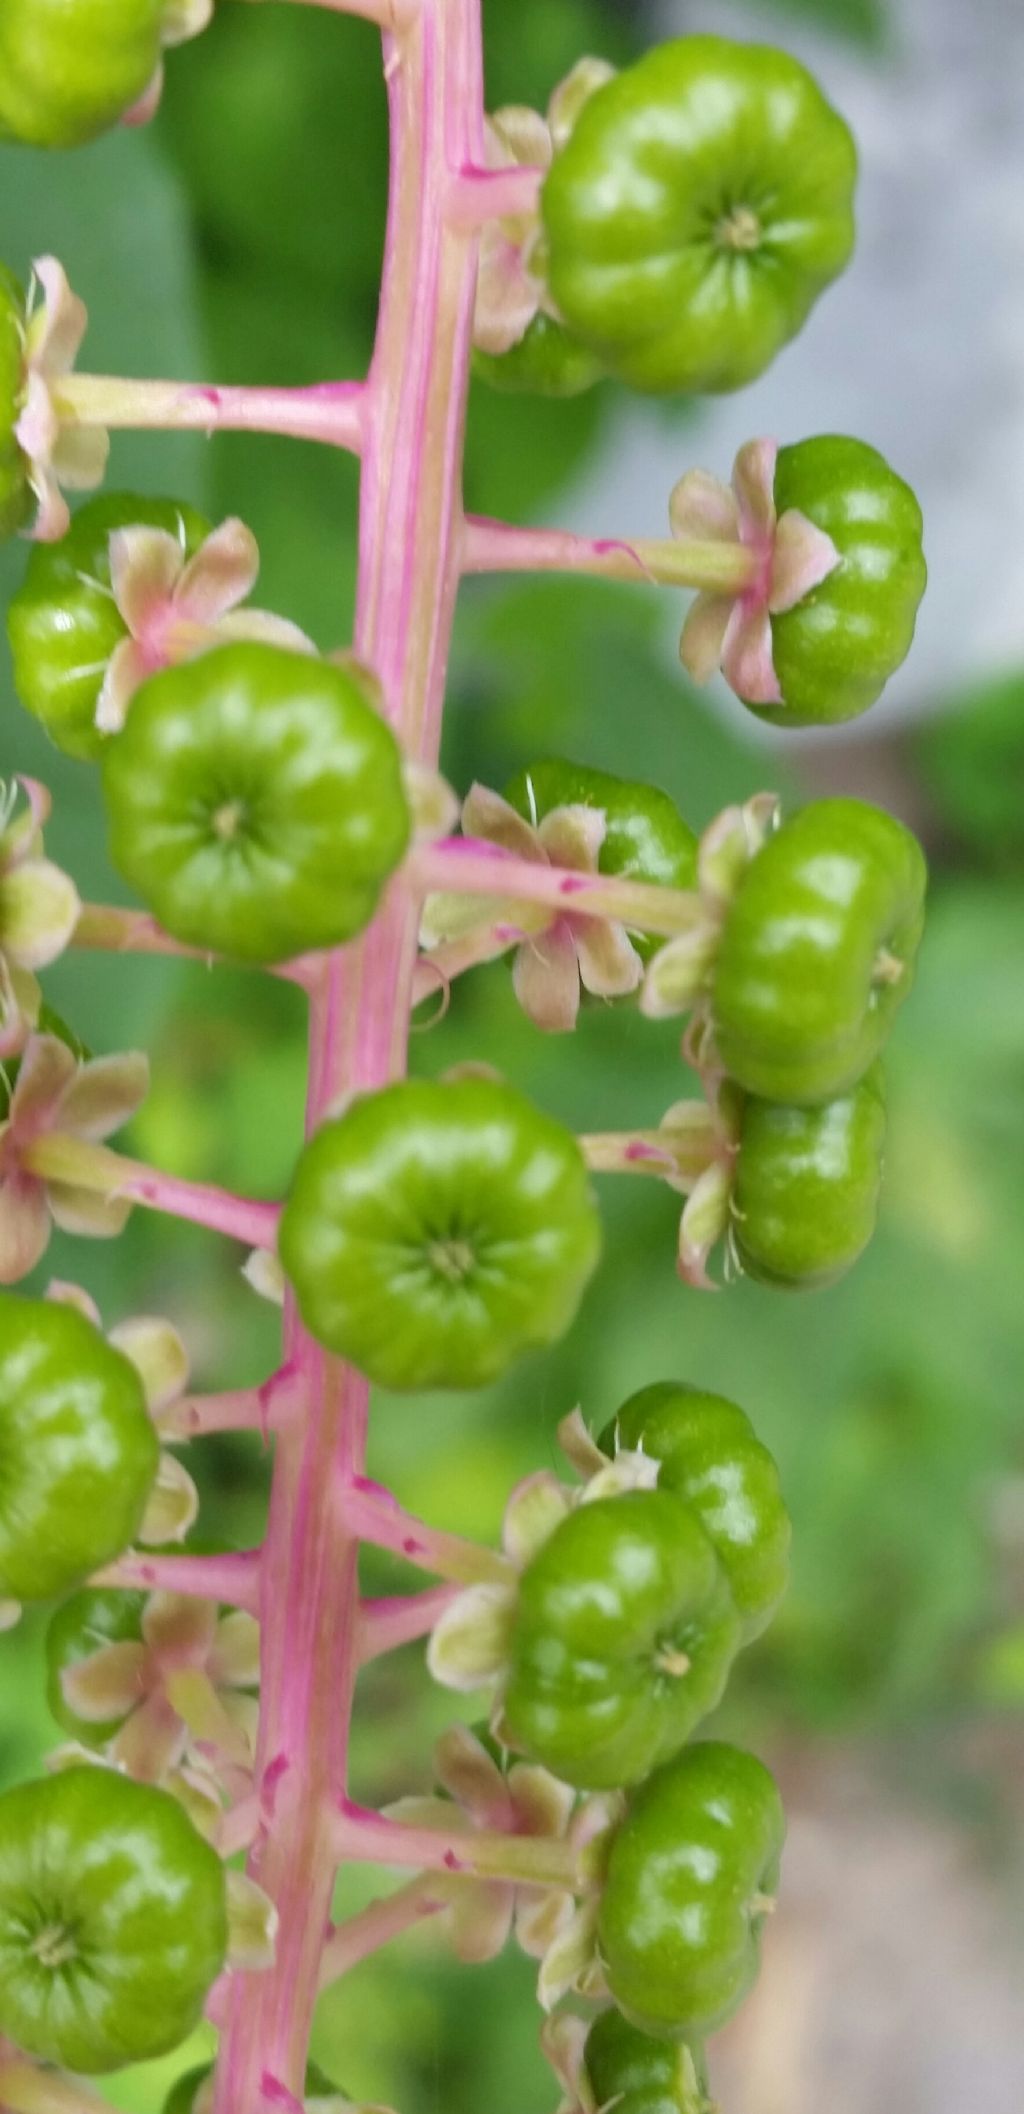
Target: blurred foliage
column 970, row 760
column 240, row 240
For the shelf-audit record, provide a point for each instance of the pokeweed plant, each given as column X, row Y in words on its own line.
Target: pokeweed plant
column 669, row 226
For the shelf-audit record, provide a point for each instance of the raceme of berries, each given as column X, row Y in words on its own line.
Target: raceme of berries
column 668, row 227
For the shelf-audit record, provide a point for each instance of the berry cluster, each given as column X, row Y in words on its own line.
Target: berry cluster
column 669, row 227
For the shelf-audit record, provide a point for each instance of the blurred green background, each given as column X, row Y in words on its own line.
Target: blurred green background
column 239, row 240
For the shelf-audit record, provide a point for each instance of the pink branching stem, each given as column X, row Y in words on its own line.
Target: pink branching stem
column 233, row 1576
column 195, row 1416
column 479, row 195
column 400, row 1618
column 105, row 928
column 463, row 866
column 330, row 412
column 536, row 1860
column 265, row 1409
column 497, row 547
column 56, row 1158
column 410, row 517
column 371, row 1514
column 375, row 1926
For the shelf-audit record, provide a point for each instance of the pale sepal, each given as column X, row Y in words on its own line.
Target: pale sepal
column 704, row 1221
column 580, row 1448
column 543, row 1804
column 546, row 979
column 68, row 1295
column 480, row 1921
column 85, row 1213
column 10, row 1615
column 472, row 1777
column 264, row 1273
column 627, row 1472
column 679, row 974
column 433, row 803
column 571, row 95
column 252, row 1925
column 108, row 1684
column 563, row 2040
column 39, row 909
column 535, row 1508
column 235, row 1654
column 172, row 1507
column 104, row 1094
column 469, row 1646
column 192, row 1695
column 571, row 1958
column 179, row 1626
column 159, row 1356
column 541, row 1916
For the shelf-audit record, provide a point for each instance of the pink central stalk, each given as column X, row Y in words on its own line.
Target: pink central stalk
column 413, row 419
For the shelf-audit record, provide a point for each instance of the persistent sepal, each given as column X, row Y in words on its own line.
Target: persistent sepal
column 57, row 1094
column 733, row 632
column 39, row 909
column 58, row 452
column 174, row 607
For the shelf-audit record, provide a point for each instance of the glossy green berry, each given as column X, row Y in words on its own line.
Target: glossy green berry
column 711, row 1456
column 692, row 1872
column 624, row 1635
column 548, row 361
column 807, row 1184
column 87, row 1623
column 817, row 953
column 701, row 205
column 78, row 1453
column 835, row 651
column 635, row 2074
column 645, row 838
column 64, row 625
column 15, row 496
column 255, row 801
column 437, row 1229
column 113, row 1920
column 69, row 69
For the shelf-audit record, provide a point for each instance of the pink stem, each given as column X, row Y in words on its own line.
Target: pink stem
column 400, row 1618
column 538, row 1860
column 717, row 568
column 371, row 1514
column 410, row 516
column 78, row 1163
column 233, row 1577
column 375, row 1926
column 196, row 1416
column 240, row 1218
column 331, row 412
column 464, row 866
column 478, row 195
